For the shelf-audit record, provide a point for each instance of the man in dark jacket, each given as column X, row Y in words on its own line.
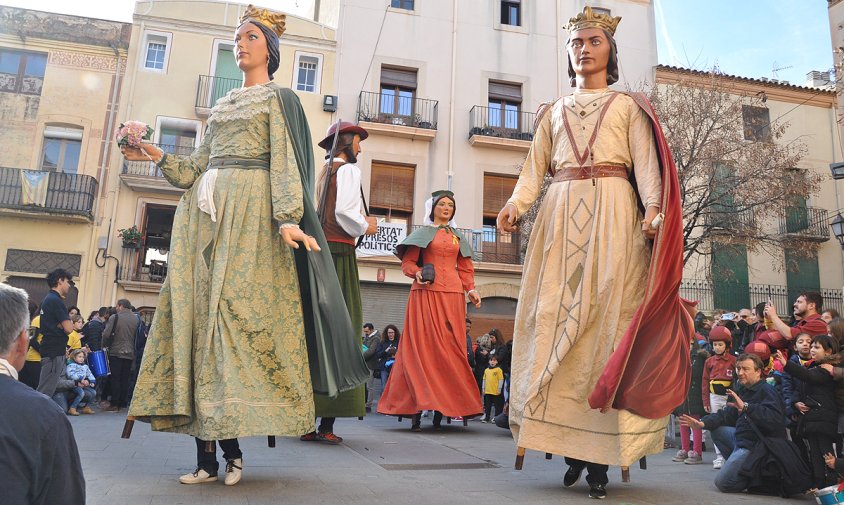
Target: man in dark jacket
column 730, row 427
column 119, row 338
column 93, row 330
column 371, row 339
column 39, row 461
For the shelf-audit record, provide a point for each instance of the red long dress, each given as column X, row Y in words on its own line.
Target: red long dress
column 431, row 371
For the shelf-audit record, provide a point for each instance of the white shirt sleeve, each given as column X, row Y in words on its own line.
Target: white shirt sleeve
column 347, row 209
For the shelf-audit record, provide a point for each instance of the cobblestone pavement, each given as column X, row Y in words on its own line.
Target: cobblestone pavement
column 379, row 462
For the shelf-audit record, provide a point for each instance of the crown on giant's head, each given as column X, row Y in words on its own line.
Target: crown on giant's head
column 591, row 19
column 272, row 20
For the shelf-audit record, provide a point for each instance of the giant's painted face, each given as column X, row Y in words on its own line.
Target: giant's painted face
column 250, row 47
column 588, row 51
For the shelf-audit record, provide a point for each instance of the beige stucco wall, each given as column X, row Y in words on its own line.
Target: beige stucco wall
column 76, row 91
column 193, row 28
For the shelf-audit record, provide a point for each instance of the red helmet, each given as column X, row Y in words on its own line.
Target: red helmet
column 720, row 334
column 760, row 349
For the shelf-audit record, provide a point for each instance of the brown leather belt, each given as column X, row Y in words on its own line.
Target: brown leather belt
column 591, row 172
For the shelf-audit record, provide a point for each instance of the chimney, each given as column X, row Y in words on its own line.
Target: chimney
column 817, row 79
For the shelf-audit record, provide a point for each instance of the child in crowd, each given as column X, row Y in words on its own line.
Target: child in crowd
column 493, row 387
column 81, row 375
column 818, row 421
column 791, row 386
column 717, row 378
column 74, row 338
column 693, row 406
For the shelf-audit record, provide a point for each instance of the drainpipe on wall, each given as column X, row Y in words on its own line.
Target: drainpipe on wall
column 450, row 168
column 93, row 246
column 836, row 134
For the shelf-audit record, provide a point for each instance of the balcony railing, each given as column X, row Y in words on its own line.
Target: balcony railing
column 491, row 246
column 209, row 89
column 807, row 223
column 726, row 221
column 734, row 295
column 148, row 168
column 496, row 122
column 71, row 194
column 397, row 110
column 132, row 269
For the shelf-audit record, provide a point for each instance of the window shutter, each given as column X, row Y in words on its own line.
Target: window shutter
column 506, row 91
column 400, row 77
column 391, row 187
column 497, row 190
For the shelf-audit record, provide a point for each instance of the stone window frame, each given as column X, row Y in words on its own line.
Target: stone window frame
column 317, row 77
column 155, row 37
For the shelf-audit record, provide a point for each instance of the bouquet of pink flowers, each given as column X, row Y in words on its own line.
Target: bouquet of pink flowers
column 131, row 133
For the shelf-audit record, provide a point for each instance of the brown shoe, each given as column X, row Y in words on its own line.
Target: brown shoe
column 72, row 412
column 113, row 409
column 87, row 410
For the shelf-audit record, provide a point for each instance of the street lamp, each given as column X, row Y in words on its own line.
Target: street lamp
column 838, row 228
column 837, row 170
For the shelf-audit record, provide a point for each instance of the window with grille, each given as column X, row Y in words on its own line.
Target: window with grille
column 156, row 51
column 398, row 89
column 306, row 79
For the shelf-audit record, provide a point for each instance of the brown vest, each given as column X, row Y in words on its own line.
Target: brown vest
column 333, row 231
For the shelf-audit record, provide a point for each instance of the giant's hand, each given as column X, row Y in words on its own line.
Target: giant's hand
column 650, row 215
column 135, row 154
column 475, row 298
column 292, row 235
column 507, row 219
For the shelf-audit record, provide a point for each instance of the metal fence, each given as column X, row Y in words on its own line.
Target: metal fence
column 489, row 245
column 496, row 122
column 134, row 268
column 149, row 168
column 397, row 110
column 66, row 193
column 736, row 295
column 209, row 89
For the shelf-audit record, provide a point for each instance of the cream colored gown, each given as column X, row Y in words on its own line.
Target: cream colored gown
column 584, row 277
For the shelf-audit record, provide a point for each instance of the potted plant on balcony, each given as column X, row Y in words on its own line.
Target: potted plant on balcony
column 131, row 237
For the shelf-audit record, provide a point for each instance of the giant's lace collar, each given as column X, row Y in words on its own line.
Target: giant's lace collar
column 242, row 103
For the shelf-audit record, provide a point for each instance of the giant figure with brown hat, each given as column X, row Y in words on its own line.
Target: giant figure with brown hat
column 249, row 273
column 340, row 206
column 600, row 345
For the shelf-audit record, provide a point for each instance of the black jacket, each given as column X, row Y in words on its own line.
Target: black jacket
column 763, row 404
column 383, row 355
column 817, row 390
column 694, row 401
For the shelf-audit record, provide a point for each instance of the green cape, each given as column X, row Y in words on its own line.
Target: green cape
column 424, row 235
column 335, row 356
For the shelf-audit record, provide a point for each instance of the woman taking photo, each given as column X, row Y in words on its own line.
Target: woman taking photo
column 431, row 371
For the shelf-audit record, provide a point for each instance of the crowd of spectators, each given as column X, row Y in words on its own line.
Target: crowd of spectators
column 762, row 381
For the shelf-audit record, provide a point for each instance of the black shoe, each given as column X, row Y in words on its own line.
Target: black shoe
column 703, row 446
column 572, row 476
column 597, row 491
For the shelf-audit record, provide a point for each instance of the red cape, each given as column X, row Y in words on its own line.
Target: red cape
column 650, row 370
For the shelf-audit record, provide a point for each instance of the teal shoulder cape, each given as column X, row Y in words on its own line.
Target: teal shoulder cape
column 334, row 354
column 424, row 235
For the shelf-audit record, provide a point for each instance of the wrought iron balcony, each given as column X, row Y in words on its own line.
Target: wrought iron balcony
column 61, row 194
column 397, row 110
column 146, row 176
column 209, row 89
column 732, row 295
column 133, row 268
column 805, row 223
column 724, row 221
column 490, row 245
column 501, row 123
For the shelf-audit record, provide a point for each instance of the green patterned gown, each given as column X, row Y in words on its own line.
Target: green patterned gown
column 226, row 355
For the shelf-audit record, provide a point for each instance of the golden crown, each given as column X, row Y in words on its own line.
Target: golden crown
column 591, row 19
column 272, row 20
